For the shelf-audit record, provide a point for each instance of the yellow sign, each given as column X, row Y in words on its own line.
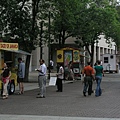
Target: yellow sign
column 76, row 56
column 8, row 46
column 59, row 55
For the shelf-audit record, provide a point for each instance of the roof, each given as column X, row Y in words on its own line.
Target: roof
column 20, row 52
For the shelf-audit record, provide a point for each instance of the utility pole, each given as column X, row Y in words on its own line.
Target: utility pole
column 41, row 32
column 49, row 46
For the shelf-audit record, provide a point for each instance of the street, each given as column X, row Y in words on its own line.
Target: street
column 70, row 103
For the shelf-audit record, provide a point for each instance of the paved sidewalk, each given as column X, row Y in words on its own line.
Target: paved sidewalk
column 33, row 82
column 31, row 117
column 68, row 105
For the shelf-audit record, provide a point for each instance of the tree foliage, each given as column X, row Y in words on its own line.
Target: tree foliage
column 16, row 22
column 86, row 20
column 26, row 22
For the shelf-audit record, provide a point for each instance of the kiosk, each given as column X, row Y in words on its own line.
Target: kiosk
column 67, row 55
column 9, row 54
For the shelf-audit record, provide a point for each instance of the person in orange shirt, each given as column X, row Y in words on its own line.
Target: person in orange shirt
column 88, row 72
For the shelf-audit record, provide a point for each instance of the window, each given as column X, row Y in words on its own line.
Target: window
column 105, row 59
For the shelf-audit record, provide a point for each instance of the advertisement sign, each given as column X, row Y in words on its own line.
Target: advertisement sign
column 59, row 56
column 67, row 57
column 76, row 56
column 53, row 81
column 8, row 46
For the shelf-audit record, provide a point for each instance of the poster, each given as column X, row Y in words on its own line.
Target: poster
column 53, row 81
column 76, row 56
column 67, row 57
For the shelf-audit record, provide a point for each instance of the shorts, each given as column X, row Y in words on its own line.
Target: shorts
column 20, row 79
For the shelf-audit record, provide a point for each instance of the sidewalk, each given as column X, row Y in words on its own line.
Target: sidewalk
column 67, row 105
column 33, row 81
column 32, row 117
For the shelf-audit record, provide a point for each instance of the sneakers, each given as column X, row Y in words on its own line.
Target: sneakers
column 40, row 96
column 5, row 97
column 58, row 90
column 84, row 94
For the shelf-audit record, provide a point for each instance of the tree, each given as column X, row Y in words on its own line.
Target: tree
column 98, row 18
column 18, row 24
column 64, row 20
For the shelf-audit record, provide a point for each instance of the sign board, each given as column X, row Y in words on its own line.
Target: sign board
column 76, row 56
column 53, row 81
column 59, row 56
column 8, row 46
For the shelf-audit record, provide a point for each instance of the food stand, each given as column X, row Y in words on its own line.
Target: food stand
column 67, row 55
column 9, row 53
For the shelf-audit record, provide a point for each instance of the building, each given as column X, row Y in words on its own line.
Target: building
column 100, row 48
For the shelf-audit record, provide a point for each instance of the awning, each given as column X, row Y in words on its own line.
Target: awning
column 12, row 47
column 18, row 51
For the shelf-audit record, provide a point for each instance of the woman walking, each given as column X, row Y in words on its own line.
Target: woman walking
column 98, row 76
column 6, row 73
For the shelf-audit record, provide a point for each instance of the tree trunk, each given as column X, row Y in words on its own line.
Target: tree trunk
column 27, row 64
column 63, row 38
column 92, row 54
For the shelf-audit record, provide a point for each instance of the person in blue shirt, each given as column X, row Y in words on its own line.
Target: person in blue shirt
column 21, row 75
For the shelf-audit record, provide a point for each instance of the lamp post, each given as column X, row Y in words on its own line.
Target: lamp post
column 96, row 50
column 49, row 46
column 115, row 49
column 41, row 32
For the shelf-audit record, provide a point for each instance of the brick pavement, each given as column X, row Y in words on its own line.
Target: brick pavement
column 69, row 103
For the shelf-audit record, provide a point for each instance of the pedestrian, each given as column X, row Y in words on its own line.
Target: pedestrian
column 51, row 65
column 66, row 72
column 6, row 73
column 21, row 75
column 42, row 79
column 88, row 73
column 71, row 70
column 98, row 77
column 60, row 76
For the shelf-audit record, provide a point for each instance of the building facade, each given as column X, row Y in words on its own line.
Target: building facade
column 100, row 48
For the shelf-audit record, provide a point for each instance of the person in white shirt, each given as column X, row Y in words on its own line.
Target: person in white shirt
column 51, row 65
column 60, row 76
column 42, row 79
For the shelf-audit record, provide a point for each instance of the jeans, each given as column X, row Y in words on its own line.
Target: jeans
column 98, row 91
column 88, row 84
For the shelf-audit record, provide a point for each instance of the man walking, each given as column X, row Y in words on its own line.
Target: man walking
column 88, row 71
column 42, row 79
column 21, row 75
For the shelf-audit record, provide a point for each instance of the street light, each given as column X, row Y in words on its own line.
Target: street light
column 49, row 47
column 96, row 50
column 41, row 32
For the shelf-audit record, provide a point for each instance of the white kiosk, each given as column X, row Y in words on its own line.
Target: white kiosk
column 109, row 63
